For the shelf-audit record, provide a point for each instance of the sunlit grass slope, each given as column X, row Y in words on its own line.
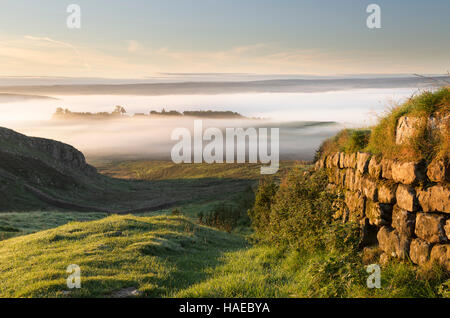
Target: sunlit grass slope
column 169, row 256
column 22, row 223
column 166, row 170
column 156, row 255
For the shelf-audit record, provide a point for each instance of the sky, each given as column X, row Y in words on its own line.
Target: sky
column 140, row 39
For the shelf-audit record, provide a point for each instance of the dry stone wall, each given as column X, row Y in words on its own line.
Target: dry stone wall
column 404, row 207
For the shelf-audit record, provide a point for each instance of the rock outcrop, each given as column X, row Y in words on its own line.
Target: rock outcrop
column 61, row 156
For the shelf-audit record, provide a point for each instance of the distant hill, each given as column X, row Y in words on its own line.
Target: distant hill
column 230, row 87
column 8, row 98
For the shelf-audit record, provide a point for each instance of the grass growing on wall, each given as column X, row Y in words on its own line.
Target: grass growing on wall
column 424, row 144
column 380, row 139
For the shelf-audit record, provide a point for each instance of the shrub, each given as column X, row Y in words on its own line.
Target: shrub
column 177, row 211
column 297, row 213
column 260, row 213
column 224, row 217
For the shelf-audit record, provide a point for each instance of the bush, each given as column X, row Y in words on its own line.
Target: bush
column 229, row 216
column 260, row 213
column 224, row 217
column 297, row 213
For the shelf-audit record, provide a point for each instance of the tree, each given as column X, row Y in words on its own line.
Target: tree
column 119, row 110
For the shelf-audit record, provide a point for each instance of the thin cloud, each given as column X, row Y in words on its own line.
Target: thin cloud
column 61, row 43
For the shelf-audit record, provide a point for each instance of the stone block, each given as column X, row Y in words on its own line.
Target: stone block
column 378, row 214
column 362, row 162
column 439, row 171
column 419, row 251
column 406, row 198
column 386, row 168
column 386, row 192
column 392, row 243
column 441, row 254
column 430, row 227
column 408, row 172
column 374, row 168
column 435, row 199
column 403, row 221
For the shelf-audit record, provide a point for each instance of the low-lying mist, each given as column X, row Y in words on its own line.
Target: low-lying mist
column 145, row 138
column 304, row 119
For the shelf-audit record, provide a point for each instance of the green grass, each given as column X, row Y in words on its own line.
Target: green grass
column 170, row 256
column 423, row 145
column 167, row 170
column 347, row 140
column 22, row 223
column 267, row 271
column 158, row 255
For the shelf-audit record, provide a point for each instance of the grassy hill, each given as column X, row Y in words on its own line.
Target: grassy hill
column 157, row 255
column 170, row 256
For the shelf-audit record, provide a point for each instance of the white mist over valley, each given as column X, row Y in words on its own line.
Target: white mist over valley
column 304, row 119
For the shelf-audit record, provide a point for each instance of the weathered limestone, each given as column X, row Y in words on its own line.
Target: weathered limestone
column 342, row 160
column 336, row 176
column 408, row 172
column 386, row 192
column 374, row 168
column 320, row 164
column 403, row 221
column 439, row 123
column 406, row 128
column 328, row 162
column 447, row 229
column 395, row 204
column 406, row 198
column 335, row 159
column 419, row 251
column 355, row 202
column 439, row 171
column 370, row 189
column 358, row 181
column 386, row 168
column 392, row 243
column 350, row 179
column 377, row 213
column 430, row 227
column 384, row 240
column 341, row 177
column 441, row 255
column 350, row 161
column 435, row 199
column 362, row 162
